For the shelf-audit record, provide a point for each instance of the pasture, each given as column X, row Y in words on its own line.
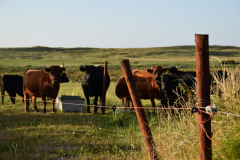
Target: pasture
column 63, row 135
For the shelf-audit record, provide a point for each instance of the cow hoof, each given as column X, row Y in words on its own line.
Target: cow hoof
column 36, row 110
column 53, row 111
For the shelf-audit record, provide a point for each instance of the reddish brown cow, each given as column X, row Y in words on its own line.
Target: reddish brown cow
column 121, row 91
column 41, row 84
column 147, row 82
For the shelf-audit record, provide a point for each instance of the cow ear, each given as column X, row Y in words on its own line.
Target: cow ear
column 97, row 67
column 62, row 70
column 82, row 68
column 47, row 70
column 165, row 70
column 174, row 79
column 149, row 70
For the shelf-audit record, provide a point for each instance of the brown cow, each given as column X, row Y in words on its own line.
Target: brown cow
column 41, row 84
column 121, row 91
column 147, row 82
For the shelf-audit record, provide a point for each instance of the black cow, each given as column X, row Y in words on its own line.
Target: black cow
column 171, row 87
column 180, row 74
column 13, row 84
column 218, row 75
column 92, row 83
column 64, row 78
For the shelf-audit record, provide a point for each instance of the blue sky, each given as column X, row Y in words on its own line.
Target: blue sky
column 118, row 23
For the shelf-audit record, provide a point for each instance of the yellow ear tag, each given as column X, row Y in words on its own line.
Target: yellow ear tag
column 63, row 72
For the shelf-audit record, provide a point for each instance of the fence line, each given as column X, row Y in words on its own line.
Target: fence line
column 98, row 105
column 200, row 123
column 229, row 113
column 129, row 107
column 181, row 144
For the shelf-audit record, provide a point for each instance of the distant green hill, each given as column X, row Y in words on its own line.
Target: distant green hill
column 33, row 52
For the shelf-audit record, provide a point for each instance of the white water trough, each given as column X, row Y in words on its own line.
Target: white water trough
column 70, row 103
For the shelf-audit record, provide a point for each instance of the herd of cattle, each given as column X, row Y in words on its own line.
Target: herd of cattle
column 151, row 84
column 166, row 87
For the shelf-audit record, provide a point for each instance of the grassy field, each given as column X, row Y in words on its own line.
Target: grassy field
column 17, row 60
column 63, row 135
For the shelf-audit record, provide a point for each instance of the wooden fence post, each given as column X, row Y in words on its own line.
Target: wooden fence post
column 203, row 95
column 104, row 87
column 142, row 118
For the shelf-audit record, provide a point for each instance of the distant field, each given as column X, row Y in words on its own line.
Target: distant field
column 17, row 60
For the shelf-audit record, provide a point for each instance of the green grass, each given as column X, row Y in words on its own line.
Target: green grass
column 114, row 136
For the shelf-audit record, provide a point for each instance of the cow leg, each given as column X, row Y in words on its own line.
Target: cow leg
column 88, row 103
column 164, row 104
column 53, row 107
column 2, row 94
column 95, row 103
column 130, row 104
column 153, row 104
column 124, row 102
column 171, row 103
column 44, row 104
column 26, row 101
column 12, row 97
column 34, row 103
column 22, row 99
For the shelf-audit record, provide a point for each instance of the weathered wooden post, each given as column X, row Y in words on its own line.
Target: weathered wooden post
column 142, row 118
column 104, row 87
column 203, row 95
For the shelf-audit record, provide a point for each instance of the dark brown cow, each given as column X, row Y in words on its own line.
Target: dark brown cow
column 41, row 84
column 148, row 84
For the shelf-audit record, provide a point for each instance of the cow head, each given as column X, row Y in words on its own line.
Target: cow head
column 54, row 73
column 173, row 70
column 63, row 76
column 157, row 72
column 91, row 70
column 166, row 81
column 83, row 68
